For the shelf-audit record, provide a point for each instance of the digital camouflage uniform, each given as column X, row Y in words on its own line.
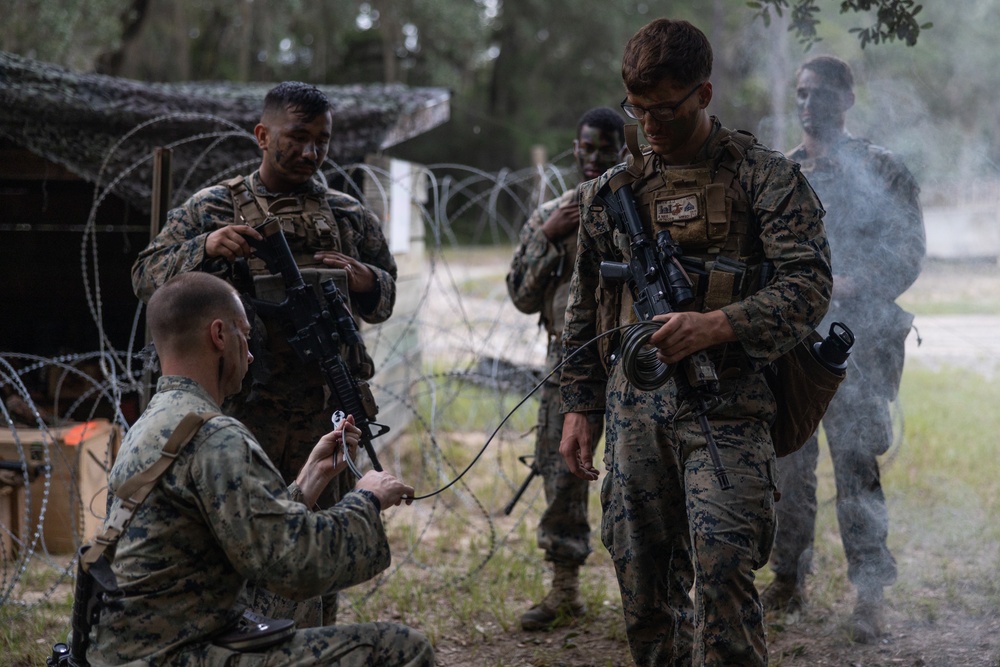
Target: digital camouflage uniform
column 876, row 232
column 538, row 282
column 666, row 523
column 222, row 516
column 283, row 402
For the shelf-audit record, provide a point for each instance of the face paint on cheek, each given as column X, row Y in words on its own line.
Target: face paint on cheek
column 286, row 155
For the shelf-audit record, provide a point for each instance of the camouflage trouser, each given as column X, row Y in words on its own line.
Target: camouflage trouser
column 669, row 527
column 287, row 424
column 563, row 531
column 365, row 644
column 858, row 427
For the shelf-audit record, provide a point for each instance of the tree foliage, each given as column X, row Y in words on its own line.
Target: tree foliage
column 523, row 71
column 66, row 32
column 894, row 19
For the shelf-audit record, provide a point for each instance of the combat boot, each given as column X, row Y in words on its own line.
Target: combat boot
column 562, row 602
column 866, row 620
column 785, row 594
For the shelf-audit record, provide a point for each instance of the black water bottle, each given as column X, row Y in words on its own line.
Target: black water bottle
column 834, row 350
column 59, row 657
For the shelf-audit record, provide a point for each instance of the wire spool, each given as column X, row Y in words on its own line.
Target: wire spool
column 639, row 363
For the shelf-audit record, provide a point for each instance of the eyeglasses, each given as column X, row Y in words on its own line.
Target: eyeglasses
column 663, row 113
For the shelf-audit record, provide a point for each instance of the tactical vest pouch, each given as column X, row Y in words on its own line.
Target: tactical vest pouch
column 270, row 287
column 695, row 218
column 803, row 388
column 724, row 283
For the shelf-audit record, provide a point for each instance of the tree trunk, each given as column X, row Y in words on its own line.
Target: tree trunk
column 132, row 19
column 182, row 44
column 390, row 30
column 246, row 37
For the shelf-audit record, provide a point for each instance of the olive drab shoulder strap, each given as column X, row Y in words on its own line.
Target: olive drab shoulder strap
column 637, row 165
column 736, row 145
column 136, row 488
column 735, row 148
column 96, row 585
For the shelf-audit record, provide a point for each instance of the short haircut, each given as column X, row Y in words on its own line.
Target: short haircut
column 605, row 119
column 831, row 69
column 179, row 309
column 305, row 99
column 666, row 49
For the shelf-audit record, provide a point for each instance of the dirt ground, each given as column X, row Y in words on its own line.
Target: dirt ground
column 814, row 638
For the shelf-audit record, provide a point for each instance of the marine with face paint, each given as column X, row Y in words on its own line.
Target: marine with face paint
column 669, row 526
column 538, row 282
column 331, row 236
column 876, row 233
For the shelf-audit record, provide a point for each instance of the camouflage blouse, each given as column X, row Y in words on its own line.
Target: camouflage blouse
column 540, row 269
column 220, row 517
column 789, row 221
column 180, row 245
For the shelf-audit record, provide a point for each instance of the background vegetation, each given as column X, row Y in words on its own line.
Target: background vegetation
column 522, row 71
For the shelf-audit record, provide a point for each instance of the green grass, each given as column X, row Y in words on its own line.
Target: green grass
column 27, row 632
column 970, row 305
column 942, row 486
column 457, row 557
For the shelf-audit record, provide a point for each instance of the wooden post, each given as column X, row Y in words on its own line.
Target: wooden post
column 159, row 205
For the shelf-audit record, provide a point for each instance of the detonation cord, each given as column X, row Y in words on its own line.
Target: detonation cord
column 647, row 328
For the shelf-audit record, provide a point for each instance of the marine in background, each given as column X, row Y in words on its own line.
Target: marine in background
column 876, row 232
column 538, row 282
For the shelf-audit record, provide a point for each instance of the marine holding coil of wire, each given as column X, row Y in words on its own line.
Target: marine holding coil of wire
column 658, row 283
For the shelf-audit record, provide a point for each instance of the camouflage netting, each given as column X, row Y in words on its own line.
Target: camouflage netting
column 105, row 128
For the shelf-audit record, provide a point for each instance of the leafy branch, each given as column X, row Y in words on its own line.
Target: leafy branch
column 894, row 19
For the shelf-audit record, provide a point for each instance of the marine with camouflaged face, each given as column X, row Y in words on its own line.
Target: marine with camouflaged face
column 670, row 528
column 222, row 516
column 538, row 282
column 331, row 235
column 876, row 232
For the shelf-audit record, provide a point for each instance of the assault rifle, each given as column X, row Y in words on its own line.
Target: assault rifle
column 317, row 332
column 532, row 473
column 659, row 285
column 96, row 585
